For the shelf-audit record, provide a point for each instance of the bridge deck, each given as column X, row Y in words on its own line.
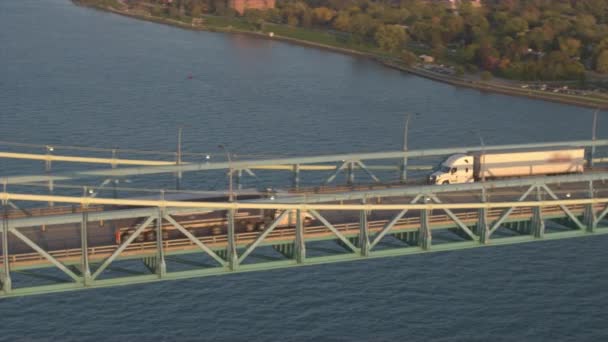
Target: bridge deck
column 279, row 236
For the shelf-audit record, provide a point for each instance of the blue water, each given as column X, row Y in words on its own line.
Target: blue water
column 75, row 76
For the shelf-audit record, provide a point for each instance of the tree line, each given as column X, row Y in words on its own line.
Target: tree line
column 518, row 39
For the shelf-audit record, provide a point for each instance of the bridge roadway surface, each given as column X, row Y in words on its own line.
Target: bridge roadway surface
column 63, row 241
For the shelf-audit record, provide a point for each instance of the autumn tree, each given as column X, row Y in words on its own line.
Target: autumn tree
column 342, row 22
column 570, row 46
column 601, row 64
column 390, row 37
column 323, row 15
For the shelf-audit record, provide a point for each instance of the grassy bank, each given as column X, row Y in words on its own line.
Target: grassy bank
column 337, row 42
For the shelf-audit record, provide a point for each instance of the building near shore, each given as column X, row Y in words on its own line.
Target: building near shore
column 242, row 5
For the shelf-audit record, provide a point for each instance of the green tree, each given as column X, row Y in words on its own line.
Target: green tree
column 468, row 54
column 459, row 71
column 515, row 26
column 601, row 64
column 390, row 37
column 486, row 76
column 273, row 15
column 453, row 26
column 363, row 26
column 293, row 20
column 342, row 22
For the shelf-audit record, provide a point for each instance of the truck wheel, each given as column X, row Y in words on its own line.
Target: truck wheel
column 165, row 235
column 307, row 222
column 140, row 237
column 446, row 182
column 216, row 230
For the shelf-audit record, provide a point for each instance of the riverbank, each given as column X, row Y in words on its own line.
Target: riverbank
column 320, row 40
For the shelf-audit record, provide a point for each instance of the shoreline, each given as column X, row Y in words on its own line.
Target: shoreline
column 482, row 86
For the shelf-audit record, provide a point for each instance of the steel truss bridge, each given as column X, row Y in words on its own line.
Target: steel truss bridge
column 350, row 224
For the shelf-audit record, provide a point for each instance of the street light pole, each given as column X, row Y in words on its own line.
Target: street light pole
column 406, row 129
column 230, row 193
column 593, row 137
column 404, row 161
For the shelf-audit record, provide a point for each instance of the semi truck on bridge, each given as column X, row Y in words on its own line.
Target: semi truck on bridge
column 208, row 223
column 205, row 223
column 480, row 165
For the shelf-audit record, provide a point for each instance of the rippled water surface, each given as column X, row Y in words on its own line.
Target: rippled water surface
column 75, row 76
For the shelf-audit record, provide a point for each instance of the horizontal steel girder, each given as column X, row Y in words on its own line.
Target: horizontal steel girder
column 289, row 206
column 148, row 170
column 142, row 279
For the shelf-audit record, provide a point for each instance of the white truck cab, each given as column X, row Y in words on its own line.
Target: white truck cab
column 457, row 169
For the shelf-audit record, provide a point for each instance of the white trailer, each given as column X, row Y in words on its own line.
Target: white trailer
column 476, row 166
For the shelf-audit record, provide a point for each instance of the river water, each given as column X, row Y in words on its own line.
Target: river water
column 75, row 76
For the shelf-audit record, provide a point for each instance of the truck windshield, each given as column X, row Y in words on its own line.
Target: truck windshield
column 444, row 168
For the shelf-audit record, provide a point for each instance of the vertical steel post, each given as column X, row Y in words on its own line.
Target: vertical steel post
column 593, row 138
column 84, row 243
column 350, row 180
column 230, row 172
column 403, row 176
column 161, row 266
column 6, row 274
column 300, row 244
column 363, row 232
column 425, row 230
column 48, row 167
column 239, row 177
column 538, row 224
column 296, row 177
column 178, row 160
column 482, row 220
column 232, row 256
column 590, row 218
column 114, row 181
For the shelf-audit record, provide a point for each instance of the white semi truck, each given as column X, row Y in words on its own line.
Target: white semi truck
column 476, row 166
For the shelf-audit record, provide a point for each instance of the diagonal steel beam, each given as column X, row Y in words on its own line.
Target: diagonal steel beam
column 333, row 175
column 196, row 241
column 602, row 215
column 262, row 236
column 122, row 247
column 455, row 219
column 564, row 208
column 364, row 168
column 508, row 212
column 333, row 229
column 391, row 224
column 44, row 253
